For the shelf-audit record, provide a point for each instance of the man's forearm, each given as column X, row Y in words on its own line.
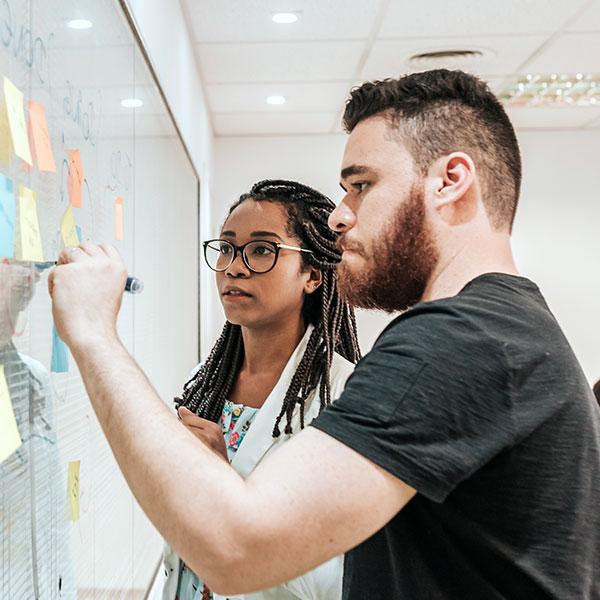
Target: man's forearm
column 164, row 465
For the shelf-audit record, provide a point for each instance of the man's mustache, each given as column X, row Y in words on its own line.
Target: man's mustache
column 343, row 243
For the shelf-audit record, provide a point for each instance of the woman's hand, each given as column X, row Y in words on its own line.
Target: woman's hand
column 208, row 432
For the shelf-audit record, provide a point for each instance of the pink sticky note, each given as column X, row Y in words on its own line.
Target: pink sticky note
column 41, row 137
column 119, row 218
column 75, row 177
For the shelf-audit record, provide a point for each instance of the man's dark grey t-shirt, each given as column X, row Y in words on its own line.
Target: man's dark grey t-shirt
column 478, row 402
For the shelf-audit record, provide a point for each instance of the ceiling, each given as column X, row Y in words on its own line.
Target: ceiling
column 243, row 56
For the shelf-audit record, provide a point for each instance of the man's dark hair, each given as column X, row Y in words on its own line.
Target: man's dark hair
column 333, row 319
column 438, row 112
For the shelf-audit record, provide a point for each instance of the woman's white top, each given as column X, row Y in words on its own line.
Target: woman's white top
column 324, row 582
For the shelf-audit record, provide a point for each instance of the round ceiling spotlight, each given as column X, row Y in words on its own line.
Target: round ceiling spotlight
column 275, row 100
column 448, row 57
column 284, row 18
column 79, row 24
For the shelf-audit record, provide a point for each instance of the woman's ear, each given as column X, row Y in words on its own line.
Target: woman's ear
column 314, row 281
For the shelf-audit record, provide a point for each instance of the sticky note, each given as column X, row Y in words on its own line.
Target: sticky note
column 68, row 229
column 79, row 233
column 29, row 227
column 5, row 141
column 41, row 137
column 10, row 439
column 73, row 490
column 7, row 217
column 16, row 120
column 75, row 177
column 60, row 357
column 119, row 218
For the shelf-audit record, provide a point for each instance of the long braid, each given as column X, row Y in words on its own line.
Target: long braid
column 333, row 319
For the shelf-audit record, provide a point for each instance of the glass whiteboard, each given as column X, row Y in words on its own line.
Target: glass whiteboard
column 69, row 527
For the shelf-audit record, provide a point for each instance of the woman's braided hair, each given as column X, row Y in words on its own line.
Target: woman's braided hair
column 333, row 319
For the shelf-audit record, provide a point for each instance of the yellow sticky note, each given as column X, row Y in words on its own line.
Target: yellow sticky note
column 5, row 141
column 68, row 229
column 10, row 439
column 119, row 218
column 73, row 490
column 29, row 227
column 41, row 137
column 75, row 177
column 16, row 120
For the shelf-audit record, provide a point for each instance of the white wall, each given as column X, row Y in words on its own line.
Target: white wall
column 163, row 29
column 557, row 242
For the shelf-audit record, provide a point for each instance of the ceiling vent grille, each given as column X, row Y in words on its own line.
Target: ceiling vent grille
column 450, row 56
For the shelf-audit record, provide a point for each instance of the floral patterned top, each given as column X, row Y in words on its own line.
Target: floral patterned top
column 235, row 423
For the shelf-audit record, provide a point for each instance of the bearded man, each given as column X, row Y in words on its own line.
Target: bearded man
column 462, row 459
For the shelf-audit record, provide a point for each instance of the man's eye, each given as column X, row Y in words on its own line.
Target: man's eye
column 360, row 186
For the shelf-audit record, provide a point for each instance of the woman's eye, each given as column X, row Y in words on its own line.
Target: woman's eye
column 262, row 250
column 360, row 186
column 225, row 249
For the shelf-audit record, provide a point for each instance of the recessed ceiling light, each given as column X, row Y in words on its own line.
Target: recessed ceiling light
column 131, row 103
column 79, row 24
column 553, row 90
column 284, row 18
column 275, row 100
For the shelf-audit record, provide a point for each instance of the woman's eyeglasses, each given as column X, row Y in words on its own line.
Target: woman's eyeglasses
column 260, row 256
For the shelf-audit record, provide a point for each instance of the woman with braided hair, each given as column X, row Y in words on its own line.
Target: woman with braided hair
column 286, row 350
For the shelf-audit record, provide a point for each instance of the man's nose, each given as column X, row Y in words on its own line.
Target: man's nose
column 342, row 218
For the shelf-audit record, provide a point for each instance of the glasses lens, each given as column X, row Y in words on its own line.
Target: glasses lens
column 218, row 255
column 260, row 256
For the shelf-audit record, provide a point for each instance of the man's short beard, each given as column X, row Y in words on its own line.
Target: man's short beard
column 399, row 263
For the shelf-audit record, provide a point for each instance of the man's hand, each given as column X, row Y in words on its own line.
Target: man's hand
column 86, row 289
column 206, row 431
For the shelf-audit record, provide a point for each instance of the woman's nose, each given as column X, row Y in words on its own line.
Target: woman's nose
column 238, row 267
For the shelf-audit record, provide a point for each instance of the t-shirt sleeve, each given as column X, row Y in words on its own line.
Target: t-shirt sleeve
column 430, row 403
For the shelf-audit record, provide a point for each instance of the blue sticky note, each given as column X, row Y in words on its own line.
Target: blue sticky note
column 79, row 234
column 60, row 360
column 7, row 217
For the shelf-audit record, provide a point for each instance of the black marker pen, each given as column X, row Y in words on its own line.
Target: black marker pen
column 133, row 285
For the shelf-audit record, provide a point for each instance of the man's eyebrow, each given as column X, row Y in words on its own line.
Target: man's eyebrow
column 354, row 170
column 228, row 233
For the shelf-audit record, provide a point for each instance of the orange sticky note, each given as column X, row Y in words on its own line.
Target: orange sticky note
column 75, row 177
column 29, row 227
column 10, row 440
column 16, row 120
column 73, row 490
column 41, row 137
column 119, row 218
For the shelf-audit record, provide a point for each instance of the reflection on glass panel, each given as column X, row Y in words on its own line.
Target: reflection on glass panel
column 105, row 163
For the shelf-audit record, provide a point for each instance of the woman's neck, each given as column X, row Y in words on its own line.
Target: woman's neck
column 268, row 349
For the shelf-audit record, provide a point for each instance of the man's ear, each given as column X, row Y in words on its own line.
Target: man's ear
column 455, row 173
column 314, row 281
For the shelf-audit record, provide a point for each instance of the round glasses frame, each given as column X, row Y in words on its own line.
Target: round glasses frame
column 276, row 246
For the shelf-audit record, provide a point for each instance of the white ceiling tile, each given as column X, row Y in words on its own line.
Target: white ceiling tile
column 551, row 118
column 279, row 62
column 568, row 53
column 250, row 20
column 589, row 19
column 299, row 97
column 594, row 124
column 273, row 123
column 389, row 58
column 442, row 18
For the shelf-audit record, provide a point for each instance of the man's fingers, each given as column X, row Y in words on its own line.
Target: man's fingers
column 110, row 251
column 91, row 249
column 69, row 255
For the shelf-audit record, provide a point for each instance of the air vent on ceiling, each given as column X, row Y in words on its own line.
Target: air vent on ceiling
column 448, row 56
